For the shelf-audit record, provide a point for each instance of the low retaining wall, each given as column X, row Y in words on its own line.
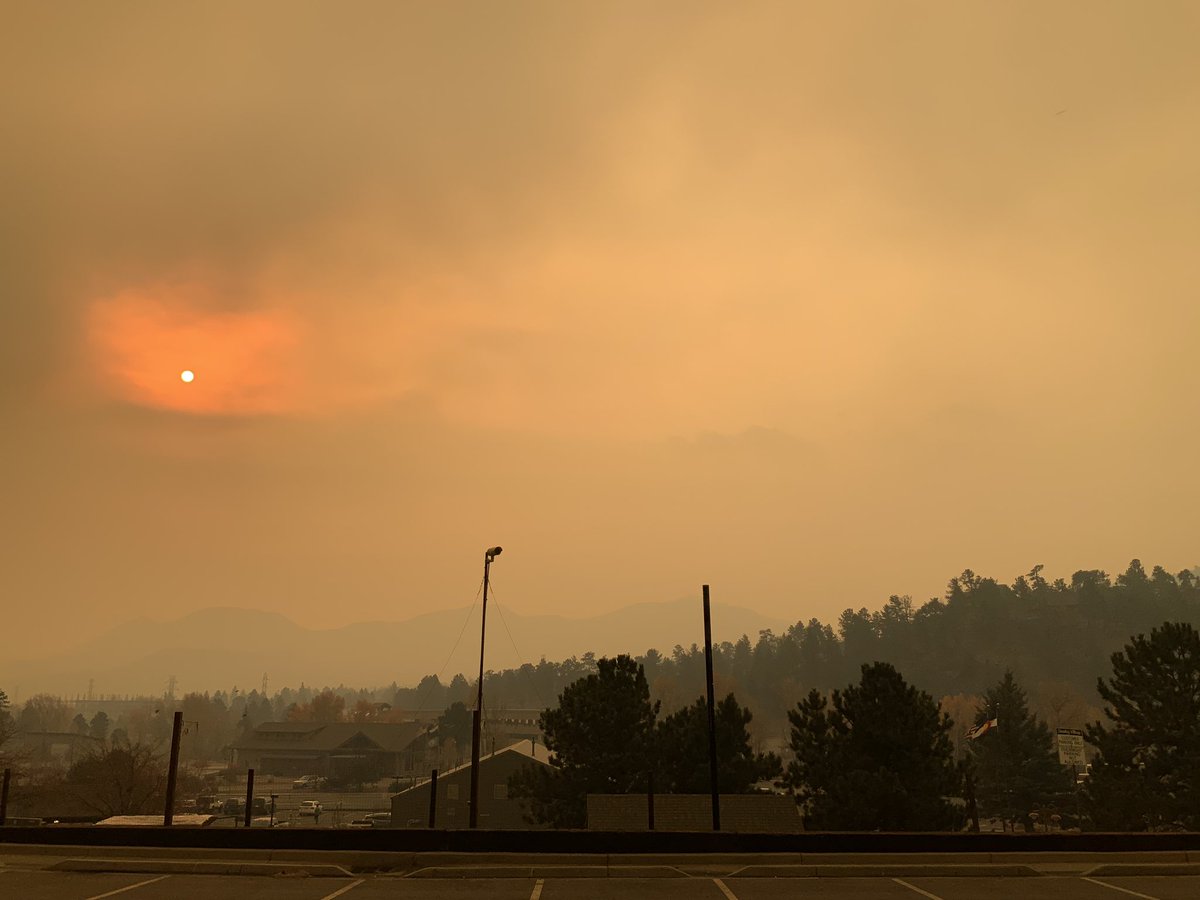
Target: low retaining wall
column 464, row 841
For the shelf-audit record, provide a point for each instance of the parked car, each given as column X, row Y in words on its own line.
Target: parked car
column 309, row 782
column 378, row 819
column 310, row 808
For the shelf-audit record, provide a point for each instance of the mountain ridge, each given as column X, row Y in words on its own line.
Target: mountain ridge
column 217, row 647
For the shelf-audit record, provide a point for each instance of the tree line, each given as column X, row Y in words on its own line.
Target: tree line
column 877, row 754
column 1052, row 636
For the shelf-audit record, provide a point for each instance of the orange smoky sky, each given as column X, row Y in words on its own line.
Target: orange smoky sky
column 245, row 360
column 814, row 302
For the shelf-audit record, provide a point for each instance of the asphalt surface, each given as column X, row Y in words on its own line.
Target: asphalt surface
column 31, row 884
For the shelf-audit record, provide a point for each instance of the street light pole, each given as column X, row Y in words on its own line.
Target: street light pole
column 473, row 812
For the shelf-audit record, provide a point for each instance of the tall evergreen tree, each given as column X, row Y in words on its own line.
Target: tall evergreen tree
column 879, row 759
column 8, row 725
column 1147, row 773
column 682, row 751
column 601, row 736
column 1016, row 766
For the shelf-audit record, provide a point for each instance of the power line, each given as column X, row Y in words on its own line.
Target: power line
column 450, row 656
column 520, row 656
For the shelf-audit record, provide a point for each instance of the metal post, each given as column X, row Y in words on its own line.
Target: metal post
column 433, row 799
column 274, row 797
column 249, row 796
column 473, row 806
column 473, row 812
column 972, row 807
column 173, row 768
column 650, row 800
column 1074, row 787
column 712, row 715
column 4, row 797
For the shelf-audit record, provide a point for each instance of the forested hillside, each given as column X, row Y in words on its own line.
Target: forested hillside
column 1056, row 636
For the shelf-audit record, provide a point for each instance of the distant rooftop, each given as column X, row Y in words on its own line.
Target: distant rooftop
column 531, row 750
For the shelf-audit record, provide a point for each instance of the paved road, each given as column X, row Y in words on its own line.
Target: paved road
column 43, row 885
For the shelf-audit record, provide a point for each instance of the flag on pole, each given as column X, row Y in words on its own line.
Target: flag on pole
column 982, row 728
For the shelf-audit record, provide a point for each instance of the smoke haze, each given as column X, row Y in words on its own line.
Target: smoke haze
column 812, row 302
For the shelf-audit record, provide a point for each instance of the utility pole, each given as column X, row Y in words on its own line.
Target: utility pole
column 473, row 812
column 4, row 796
column 249, row 797
column 433, row 799
column 173, row 768
column 712, row 716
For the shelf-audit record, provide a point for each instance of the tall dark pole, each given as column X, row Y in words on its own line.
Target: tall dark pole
column 476, row 721
column 249, row 796
column 4, row 797
column 650, row 800
column 712, row 715
column 173, row 768
column 433, row 799
column 473, row 803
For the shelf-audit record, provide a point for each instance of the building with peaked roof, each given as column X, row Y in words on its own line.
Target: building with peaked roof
column 66, row 747
column 410, row 808
column 334, row 749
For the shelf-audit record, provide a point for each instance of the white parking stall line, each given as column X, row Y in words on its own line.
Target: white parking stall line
column 913, row 887
column 537, row 889
column 129, row 887
column 724, row 890
column 343, row 890
column 1113, row 887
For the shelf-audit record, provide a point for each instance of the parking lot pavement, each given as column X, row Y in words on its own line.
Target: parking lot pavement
column 1161, row 887
column 1056, row 888
column 64, row 885
column 626, row 888
column 94, row 886
column 445, row 889
column 50, row 885
column 823, row 888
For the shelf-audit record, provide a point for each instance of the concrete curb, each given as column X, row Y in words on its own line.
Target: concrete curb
column 552, row 871
column 887, row 871
column 1113, row 870
column 458, row 865
column 510, row 872
column 198, row 867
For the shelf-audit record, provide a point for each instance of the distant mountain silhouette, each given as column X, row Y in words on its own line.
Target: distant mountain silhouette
column 222, row 647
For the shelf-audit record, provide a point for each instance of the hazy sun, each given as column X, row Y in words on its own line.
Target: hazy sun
column 187, row 375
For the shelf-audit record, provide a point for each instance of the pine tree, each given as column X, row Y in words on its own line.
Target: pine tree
column 682, row 751
column 1015, row 765
column 1147, row 773
column 601, row 736
column 879, row 759
column 8, row 725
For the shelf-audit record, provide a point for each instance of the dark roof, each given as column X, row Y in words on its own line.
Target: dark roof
column 392, row 737
column 289, row 727
column 531, row 750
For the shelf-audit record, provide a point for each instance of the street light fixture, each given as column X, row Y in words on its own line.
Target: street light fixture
column 476, row 720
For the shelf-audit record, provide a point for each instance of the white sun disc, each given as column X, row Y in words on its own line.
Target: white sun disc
column 187, row 375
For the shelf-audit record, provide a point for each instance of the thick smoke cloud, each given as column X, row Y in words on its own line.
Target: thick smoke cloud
column 707, row 292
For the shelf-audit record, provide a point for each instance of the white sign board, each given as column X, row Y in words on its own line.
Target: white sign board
column 1070, row 748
